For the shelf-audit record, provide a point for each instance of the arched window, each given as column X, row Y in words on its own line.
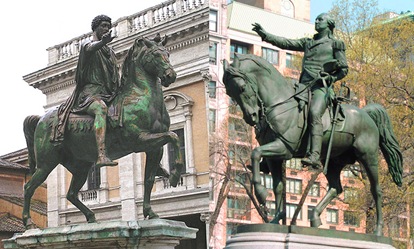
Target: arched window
column 287, row 8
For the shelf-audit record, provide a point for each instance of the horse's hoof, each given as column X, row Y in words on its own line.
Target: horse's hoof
column 148, row 213
column 378, row 231
column 29, row 224
column 316, row 222
column 278, row 216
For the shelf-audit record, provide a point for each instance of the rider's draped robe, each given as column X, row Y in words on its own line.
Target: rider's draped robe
column 96, row 78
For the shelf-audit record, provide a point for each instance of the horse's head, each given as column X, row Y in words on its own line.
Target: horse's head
column 155, row 59
column 243, row 91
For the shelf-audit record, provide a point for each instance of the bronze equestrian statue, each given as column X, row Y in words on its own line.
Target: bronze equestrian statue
column 142, row 123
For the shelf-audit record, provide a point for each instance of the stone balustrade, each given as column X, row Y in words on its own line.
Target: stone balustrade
column 126, row 26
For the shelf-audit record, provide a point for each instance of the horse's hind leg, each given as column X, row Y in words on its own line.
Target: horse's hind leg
column 152, row 163
column 79, row 172
column 335, row 188
column 30, row 187
column 370, row 163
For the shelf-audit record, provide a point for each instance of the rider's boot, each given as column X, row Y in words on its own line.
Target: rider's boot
column 314, row 158
column 102, row 160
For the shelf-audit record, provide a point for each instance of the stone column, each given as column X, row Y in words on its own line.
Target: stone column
column 104, row 186
column 127, row 188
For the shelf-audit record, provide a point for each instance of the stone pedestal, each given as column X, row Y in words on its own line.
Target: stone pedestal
column 270, row 236
column 145, row 234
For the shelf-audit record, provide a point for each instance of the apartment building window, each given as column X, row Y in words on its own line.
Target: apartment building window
column 171, row 152
column 213, row 20
column 238, row 207
column 349, row 194
column 294, row 186
column 212, row 88
column 294, row 163
column 213, row 53
column 271, row 55
column 267, row 181
column 94, row 178
column 332, row 216
column 290, row 210
column 351, row 218
column 212, row 120
column 314, row 190
column 238, row 154
column 271, row 205
column 289, row 61
column 238, row 47
column 239, row 130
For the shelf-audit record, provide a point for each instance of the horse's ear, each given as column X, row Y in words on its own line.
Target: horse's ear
column 164, row 40
column 147, row 42
column 236, row 61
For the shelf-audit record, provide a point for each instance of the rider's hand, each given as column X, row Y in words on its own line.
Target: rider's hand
column 329, row 79
column 107, row 37
column 259, row 30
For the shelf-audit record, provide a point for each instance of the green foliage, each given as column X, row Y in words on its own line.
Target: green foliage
column 380, row 54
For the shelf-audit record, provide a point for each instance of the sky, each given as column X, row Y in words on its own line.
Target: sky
column 30, row 27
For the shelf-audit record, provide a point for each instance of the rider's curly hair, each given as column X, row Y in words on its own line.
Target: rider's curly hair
column 98, row 19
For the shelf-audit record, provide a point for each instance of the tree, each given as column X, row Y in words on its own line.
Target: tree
column 380, row 54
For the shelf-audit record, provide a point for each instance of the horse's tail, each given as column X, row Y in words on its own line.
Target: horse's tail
column 29, row 127
column 388, row 142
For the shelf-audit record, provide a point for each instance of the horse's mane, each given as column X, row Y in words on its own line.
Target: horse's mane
column 259, row 61
column 132, row 53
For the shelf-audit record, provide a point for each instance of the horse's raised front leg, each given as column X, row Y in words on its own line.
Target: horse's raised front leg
column 153, row 159
column 157, row 140
column 275, row 149
column 79, row 172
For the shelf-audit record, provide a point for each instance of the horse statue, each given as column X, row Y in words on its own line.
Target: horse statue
column 142, row 126
column 268, row 103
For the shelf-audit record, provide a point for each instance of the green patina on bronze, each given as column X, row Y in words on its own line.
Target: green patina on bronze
column 139, row 122
column 268, row 103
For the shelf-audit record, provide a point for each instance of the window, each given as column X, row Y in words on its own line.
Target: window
column 352, row 171
column 294, row 163
column 212, row 120
column 267, row 181
column 213, row 20
column 332, row 216
column 271, row 205
column 238, row 48
column 289, row 61
column 290, row 210
column 171, row 153
column 238, row 153
column 349, row 194
column 94, row 178
column 287, row 8
column 239, row 130
column 238, row 208
column 314, row 190
column 271, row 55
column 351, row 218
column 213, row 53
column 294, row 186
column 212, row 86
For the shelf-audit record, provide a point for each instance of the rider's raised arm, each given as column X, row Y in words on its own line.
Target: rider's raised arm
column 285, row 43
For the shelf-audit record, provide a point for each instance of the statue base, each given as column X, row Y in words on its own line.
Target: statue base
column 143, row 234
column 271, row 236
